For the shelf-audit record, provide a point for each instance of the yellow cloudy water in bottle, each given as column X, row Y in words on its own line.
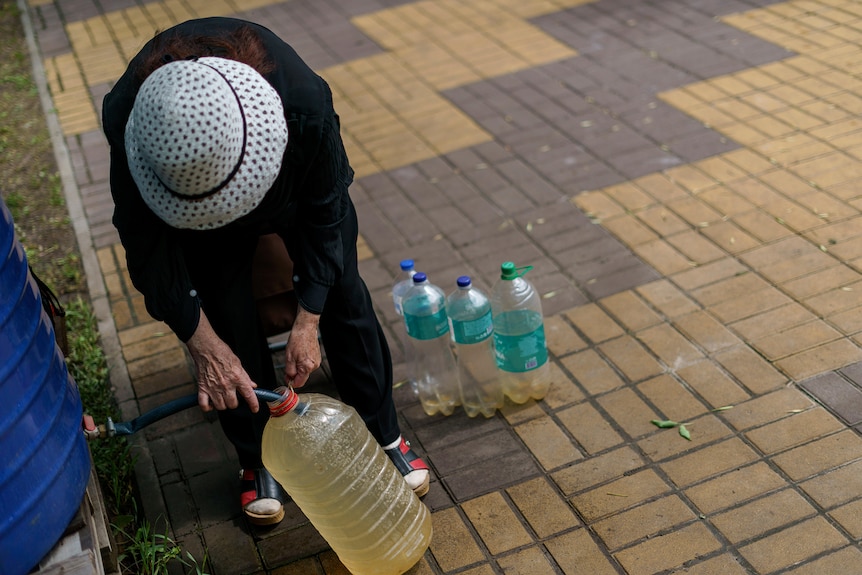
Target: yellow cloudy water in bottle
column 320, row 451
column 519, row 335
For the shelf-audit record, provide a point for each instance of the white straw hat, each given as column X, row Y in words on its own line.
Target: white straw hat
column 205, row 141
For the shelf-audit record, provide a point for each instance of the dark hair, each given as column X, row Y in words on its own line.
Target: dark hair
column 243, row 45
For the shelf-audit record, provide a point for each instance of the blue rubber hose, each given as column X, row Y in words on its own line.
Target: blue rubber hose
column 170, row 408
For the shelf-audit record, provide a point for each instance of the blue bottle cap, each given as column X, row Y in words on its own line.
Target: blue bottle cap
column 406, row 265
column 419, row 277
column 464, row 281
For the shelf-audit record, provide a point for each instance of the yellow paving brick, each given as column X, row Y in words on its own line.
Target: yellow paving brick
column 733, row 488
column 795, row 340
column 834, row 277
column 592, row 372
column 496, row 523
column 631, row 358
column 630, row 311
column 597, row 205
column 849, row 517
column 826, row 357
column 563, row 391
column 630, row 197
column 670, row 550
column 792, row 545
column 758, row 517
column 122, row 314
column 663, row 257
column 672, row 398
column 754, row 303
column 616, row 496
column 530, row 560
column 728, row 236
column 666, row 443
column 589, row 427
column 835, row 487
column 663, row 514
column 151, row 347
column 667, row 298
column 547, row 513
column 516, row 414
column 153, row 364
column 596, row 325
column 708, row 461
column 663, row 221
column 561, row 338
column 146, row 331
column 598, row 469
column 820, row 455
column 726, row 201
column 630, row 230
column 629, row 411
column 712, row 384
column 670, row 346
column 660, row 187
column 795, row 429
column 775, row 320
column 750, row 369
column 703, row 330
column 695, row 212
column 709, row 273
column 577, row 553
column 453, row 545
column 761, row 226
column 848, row 296
column 847, row 560
column 548, row 443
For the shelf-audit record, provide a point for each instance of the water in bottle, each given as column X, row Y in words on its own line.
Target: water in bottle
column 322, row 453
column 433, row 368
column 519, row 335
column 472, row 328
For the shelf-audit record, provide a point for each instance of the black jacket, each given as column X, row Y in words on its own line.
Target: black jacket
column 306, row 205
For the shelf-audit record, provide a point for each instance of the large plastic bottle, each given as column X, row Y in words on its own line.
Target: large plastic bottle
column 322, row 453
column 403, row 282
column 433, row 367
column 519, row 335
column 472, row 328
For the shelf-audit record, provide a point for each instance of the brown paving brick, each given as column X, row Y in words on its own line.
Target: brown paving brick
column 589, row 427
column 631, row 358
column 835, row 487
column 727, row 201
column 481, row 570
column 732, row 488
column 630, row 197
column 660, row 187
column 749, row 305
column 530, row 560
column 761, row 226
column 630, row 311
column 577, row 553
column 545, row 511
column 732, row 288
column 670, row 346
column 767, row 408
column 729, row 237
column 775, row 320
column 724, row 564
column 516, row 414
column 712, row 384
column 709, row 273
column 672, row 398
column 598, row 469
column 453, row 545
column 592, row 372
column 629, row 230
column 155, row 364
column 662, row 221
column 849, row 516
column 795, row 429
column 668, row 551
column 829, row 356
column 548, row 443
column 796, row 543
column 643, row 521
column 835, row 300
column 496, row 523
column 665, row 297
column 846, row 560
column 624, row 493
column 598, row 205
column 848, row 322
column 628, row 411
column 758, row 517
column 595, row 324
column 705, row 331
column 234, row 555
column 663, row 257
column 690, row 178
column 708, row 461
column 562, row 391
column 820, row 455
column 755, row 373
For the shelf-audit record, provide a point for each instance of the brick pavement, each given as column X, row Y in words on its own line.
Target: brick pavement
column 683, row 176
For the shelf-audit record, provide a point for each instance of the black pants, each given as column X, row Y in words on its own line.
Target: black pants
column 356, row 348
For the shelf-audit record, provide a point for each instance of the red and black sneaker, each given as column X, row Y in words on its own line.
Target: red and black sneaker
column 262, row 497
column 415, row 471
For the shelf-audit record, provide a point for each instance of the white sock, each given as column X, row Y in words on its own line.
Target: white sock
column 394, row 444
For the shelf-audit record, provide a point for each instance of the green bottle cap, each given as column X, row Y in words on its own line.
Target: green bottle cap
column 508, row 271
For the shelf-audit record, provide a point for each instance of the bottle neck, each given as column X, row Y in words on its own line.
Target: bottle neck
column 289, row 401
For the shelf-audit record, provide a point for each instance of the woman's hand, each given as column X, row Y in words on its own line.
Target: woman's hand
column 220, row 373
column 302, row 355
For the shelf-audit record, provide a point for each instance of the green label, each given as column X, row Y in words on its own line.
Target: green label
column 520, row 353
column 427, row 326
column 473, row 331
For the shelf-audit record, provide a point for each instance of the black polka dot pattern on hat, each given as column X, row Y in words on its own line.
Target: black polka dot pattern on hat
column 184, row 139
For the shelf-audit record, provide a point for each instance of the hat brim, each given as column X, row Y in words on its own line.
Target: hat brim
column 266, row 139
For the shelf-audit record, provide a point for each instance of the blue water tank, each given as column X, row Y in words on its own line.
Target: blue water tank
column 44, row 459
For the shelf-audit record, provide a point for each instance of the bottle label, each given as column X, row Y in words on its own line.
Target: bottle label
column 520, row 353
column 427, row 326
column 473, row 331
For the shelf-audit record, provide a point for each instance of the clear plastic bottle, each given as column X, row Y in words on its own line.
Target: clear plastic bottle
column 472, row 328
column 519, row 335
column 320, row 451
column 433, row 367
column 404, row 282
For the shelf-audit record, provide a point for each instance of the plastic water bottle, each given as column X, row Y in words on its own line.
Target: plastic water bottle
column 433, row 367
column 403, row 282
column 519, row 335
column 322, row 453
column 472, row 328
